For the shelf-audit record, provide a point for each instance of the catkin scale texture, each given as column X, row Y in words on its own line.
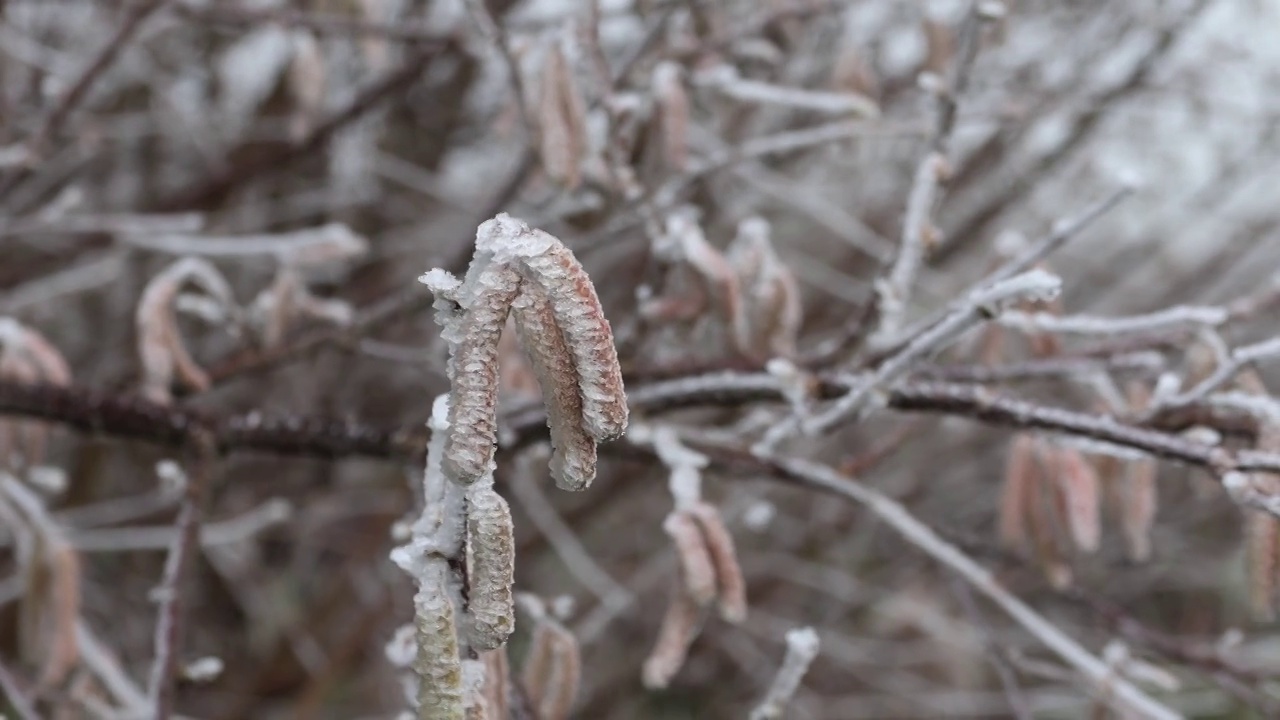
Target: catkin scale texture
column 588, row 336
column 490, row 569
column 573, row 458
column 473, row 427
column 437, row 663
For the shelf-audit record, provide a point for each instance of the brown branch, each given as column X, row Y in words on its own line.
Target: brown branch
column 91, row 411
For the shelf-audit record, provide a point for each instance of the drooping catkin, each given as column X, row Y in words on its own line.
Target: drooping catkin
column 473, row 370
column 490, row 568
column 573, row 457
column 731, row 595
column 160, row 345
column 62, row 646
column 497, row 682
column 553, row 666
column 673, row 114
column 772, row 312
column 440, row 693
column 561, row 119
column 1263, row 531
column 679, row 628
column 544, row 260
column 1078, row 483
column 697, row 569
column 564, row 677
column 1021, row 473
column 475, row 702
column 26, row 356
column 1138, row 507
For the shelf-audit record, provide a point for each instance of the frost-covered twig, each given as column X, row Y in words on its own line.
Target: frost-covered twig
column 1125, row 696
column 1171, row 318
column 726, row 80
column 802, row 648
column 169, row 594
column 1062, row 230
column 978, row 306
column 1236, row 360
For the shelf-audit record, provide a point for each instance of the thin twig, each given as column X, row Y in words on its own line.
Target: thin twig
column 169, row 626
column 276, row 158
column 17, row 700
column 75, row 95
column 1102, row 681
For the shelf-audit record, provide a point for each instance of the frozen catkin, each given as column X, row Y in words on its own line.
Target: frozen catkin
column 562, row 117
column 673, row 113
column 1081, row 496
column 160, row 345
column 553, row 666
column 26, row 356
column 679, row 628
column 573, row 457
column 771, row 298
column 438, row 664
column 709, row 568
column 490, row 568
column 510, row 258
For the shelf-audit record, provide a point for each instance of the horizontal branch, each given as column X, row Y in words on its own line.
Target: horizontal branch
column 134, row 418
column 128, row 417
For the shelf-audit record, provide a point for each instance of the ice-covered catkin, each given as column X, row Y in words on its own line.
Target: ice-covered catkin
column 561, row 119
column 475, row 702
column 473, row 369
column 1081, row 494
column 440, row 694
column 563, row 677
column 713, row 269
column 547, row 262
column 673, row 113
column 730, row 585
column 1020, row 474
column 1138, row 507
column 26, row 356
column 160, row 345
column 679, row 628
column 307, row 82
column 1263, row 531
column 490, row 568
column 697, row 569
column 573, row 457
column 553, row 666
column 773, row 311
column 62, row 649
column 497, row 682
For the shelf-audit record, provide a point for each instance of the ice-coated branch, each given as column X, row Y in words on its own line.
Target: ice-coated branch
column 1116, row 691
column 980, row 305
column 802, row 647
